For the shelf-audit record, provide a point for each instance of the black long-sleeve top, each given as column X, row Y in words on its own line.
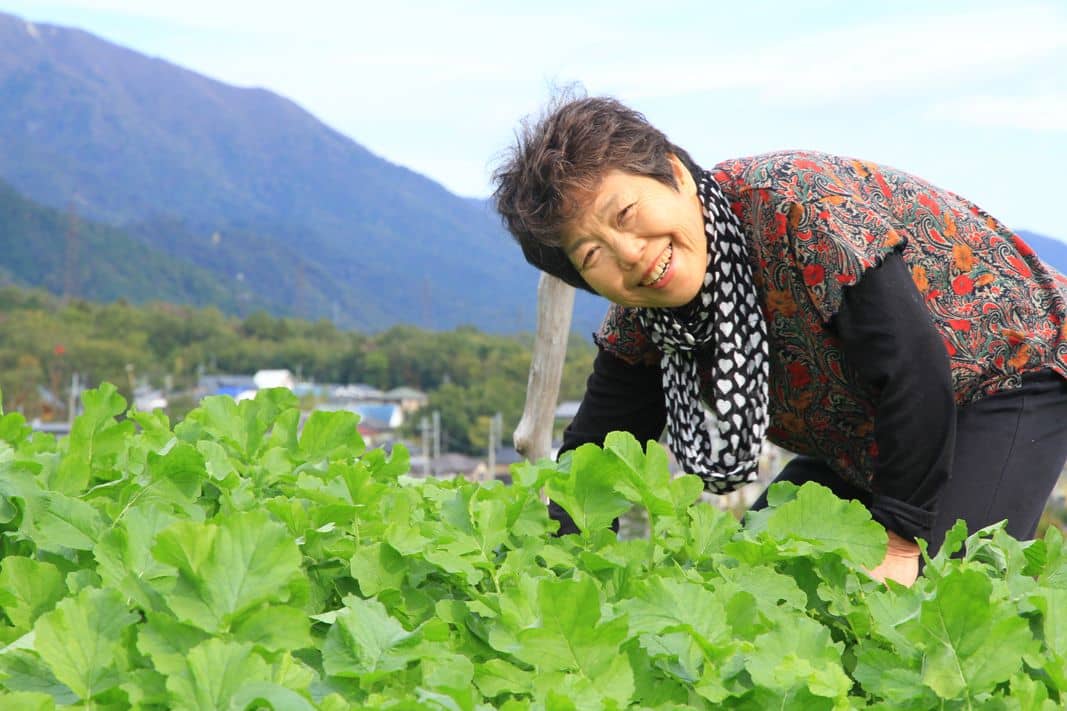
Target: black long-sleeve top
column 886, row 332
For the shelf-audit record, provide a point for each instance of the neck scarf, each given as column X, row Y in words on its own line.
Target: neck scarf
column 719, row 441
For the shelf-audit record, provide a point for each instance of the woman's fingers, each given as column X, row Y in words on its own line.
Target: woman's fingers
column 903, row 569
column 901, row 562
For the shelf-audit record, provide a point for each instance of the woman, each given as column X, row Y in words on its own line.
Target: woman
column 907, row 346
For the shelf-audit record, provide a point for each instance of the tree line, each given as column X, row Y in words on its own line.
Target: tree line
column 468, row 374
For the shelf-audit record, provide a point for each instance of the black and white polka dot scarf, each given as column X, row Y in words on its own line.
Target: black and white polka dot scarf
column 719, row 441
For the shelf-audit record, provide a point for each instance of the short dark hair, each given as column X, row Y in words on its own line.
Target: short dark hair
column 564, row 154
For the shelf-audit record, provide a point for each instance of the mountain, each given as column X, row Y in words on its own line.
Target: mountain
column 251, row 187
column 58, row 251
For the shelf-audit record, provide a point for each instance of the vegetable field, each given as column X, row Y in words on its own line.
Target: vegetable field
column 240, row 561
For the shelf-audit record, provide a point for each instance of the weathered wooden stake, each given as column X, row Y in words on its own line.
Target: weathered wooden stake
column 555, row 306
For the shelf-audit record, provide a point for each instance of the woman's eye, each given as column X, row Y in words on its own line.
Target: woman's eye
column 590, row 258
column 626, row 212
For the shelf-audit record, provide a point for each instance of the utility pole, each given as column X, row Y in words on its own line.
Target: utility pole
column 495, row 427
column 424, row 428
column 75, row 386
column 436, row 435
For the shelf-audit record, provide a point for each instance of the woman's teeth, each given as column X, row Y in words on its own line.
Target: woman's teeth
column 661, row 267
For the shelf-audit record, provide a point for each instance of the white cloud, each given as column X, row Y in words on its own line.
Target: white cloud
column 860, row 60
column 1046, row 112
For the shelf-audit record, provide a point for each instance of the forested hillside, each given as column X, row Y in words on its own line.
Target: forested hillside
column 58, row 251
column 467, row 373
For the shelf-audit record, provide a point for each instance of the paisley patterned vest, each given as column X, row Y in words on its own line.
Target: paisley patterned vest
column 816, row 222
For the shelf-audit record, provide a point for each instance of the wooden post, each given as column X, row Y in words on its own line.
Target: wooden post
column 555, row 306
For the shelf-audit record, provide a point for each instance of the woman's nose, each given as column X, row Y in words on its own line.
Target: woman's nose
column 628, row 251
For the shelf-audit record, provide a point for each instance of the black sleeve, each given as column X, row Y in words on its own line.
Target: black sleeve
column 618, row 396
column 888, row 336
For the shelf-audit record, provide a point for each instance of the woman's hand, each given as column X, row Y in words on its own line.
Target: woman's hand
column 901, row 562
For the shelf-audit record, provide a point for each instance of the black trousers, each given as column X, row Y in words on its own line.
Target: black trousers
column 1010, row 451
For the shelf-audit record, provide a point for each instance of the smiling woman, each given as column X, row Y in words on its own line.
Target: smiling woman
column 638, row 242
column 910, row 348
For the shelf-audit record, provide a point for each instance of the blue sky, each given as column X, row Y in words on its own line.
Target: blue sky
column 972, row 96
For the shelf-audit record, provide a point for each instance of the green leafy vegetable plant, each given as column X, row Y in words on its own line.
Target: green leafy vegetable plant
column 241, row 561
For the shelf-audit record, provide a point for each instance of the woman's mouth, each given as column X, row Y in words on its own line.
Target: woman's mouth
column 659, row 269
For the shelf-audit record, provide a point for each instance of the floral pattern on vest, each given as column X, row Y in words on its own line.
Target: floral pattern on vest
column 816, row 223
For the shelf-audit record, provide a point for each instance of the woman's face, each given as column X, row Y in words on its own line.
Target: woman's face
column 639, row 242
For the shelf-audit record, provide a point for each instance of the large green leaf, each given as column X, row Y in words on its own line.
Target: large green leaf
column 167, row 642
column 29, row 588
column 79, row 640
column 19, row 487
column 1054, row 559
column 56, row 522
column 496, row 677
column 13, row 427
column 798, row 654
column 642, row 478
column 243, row 426
column 365, row 641
column 590, row 494
column 329, row 434
column 213, row 673
column 895, row 678
column 972, row 641
column 572, row 636
column 227, row 568
column 95, row 440
column 24, row 671
column 124, row 557
column 217, row 462
column 662, row 605
column 275, row 628
column 829, row 524
column 379, row 567
column 174, row 478
column 1052, row 602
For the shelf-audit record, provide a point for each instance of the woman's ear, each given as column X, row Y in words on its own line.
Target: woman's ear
column 683, row 179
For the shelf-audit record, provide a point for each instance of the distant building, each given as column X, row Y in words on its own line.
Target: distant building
column 357, row 392
column 306, row 389
column 379, row 417
column 147, row 399
column 59, row 428
column 236, row 386
column 274, row 379
column 409, row 399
